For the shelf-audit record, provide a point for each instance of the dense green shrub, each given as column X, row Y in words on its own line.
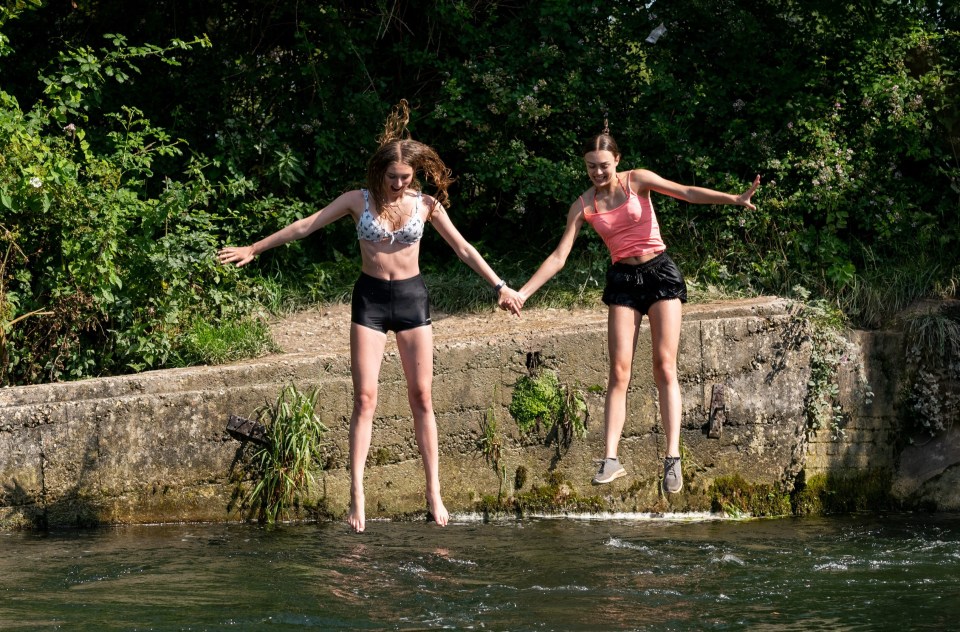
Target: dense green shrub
column 104, row 268
column 848, row 110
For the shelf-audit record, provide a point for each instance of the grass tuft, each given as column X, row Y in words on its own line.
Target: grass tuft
column 219, row 343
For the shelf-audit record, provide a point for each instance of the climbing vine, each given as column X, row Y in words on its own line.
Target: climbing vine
column 822, row 324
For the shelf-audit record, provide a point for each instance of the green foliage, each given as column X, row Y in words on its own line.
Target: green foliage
column 490, row 444
column 931, row 397
column 833, row 493
column 537, row 400
column 132, row 160
column 102, row 273
column 553, row 495
column 227, row 341
column 491, row 447
column 540, row 401
column 821, row 325
column 285, row 470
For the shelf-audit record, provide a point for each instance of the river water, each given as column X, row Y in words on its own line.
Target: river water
column 893, row 572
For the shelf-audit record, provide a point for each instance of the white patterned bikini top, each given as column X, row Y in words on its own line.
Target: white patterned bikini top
column 370, row 229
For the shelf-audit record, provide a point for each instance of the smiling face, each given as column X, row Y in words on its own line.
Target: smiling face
column 396, row 179
column 601, row 166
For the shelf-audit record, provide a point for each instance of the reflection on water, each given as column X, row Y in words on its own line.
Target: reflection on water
column 865, row 572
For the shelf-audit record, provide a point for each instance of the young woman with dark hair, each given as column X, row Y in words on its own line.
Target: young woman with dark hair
column 641, row 280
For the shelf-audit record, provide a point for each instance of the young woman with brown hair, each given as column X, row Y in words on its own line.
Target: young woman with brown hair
column 390, row 294
column 641, row 280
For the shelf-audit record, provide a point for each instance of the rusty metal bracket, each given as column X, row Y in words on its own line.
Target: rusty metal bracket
column 243, row 429
column 718, row 413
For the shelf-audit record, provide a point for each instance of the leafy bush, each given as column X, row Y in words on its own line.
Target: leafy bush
column 112, row 200
column 102, row 272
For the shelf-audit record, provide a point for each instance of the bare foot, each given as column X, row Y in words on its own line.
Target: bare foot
column 436, row 509
column 356, row 516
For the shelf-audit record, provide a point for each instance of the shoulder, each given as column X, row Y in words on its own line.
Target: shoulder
column 642, row 176
column 433, row 206
column 586, row 197
column 352, row 202
column 642, row 180
column 575, row 212
column 354, row 196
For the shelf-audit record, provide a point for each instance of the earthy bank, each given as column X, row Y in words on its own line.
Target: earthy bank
column 153, row 447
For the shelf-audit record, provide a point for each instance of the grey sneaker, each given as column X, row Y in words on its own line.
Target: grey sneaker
column 672, row 476
column 610, row 470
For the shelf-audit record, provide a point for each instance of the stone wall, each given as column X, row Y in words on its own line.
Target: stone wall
column 153, row 447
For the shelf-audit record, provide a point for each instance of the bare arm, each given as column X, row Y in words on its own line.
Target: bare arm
column 343, row 205
column 558, row 258
column 466, row 252
column 644, row 179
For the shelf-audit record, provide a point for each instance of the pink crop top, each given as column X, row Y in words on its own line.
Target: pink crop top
column 631, row 229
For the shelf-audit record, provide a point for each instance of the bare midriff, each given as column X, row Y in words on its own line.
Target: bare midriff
column 635, row 261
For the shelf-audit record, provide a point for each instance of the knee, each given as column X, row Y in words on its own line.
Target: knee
column 365, row 402
column 619, row 375
column 420, row 398
column 664, row 372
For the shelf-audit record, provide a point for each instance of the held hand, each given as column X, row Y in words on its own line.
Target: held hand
column 241, row 256
column 744, row 198
column 510, row 300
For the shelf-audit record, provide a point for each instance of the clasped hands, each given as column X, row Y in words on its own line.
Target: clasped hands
column 511, row 300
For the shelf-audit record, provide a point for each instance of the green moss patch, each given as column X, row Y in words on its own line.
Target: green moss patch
column 833, row 493
column 734, row 495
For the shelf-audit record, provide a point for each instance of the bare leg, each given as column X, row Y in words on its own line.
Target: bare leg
column 665, row 320
column 416, row 355
column 623, row 326
column 366, row 356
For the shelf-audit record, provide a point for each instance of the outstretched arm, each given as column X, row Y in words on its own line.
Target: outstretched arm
column 644, row 179
column 242, row 255
column 469, row 255
column 555, row 261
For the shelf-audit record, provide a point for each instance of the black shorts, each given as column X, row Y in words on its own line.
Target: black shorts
column 640, row 286
column 390, row 305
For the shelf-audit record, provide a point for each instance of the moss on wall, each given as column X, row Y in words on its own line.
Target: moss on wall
column 834, row 493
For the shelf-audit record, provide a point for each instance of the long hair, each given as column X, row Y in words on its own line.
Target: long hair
column 397, row 146
column 602, row 142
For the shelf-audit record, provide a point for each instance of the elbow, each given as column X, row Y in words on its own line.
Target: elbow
column 300, row 229
column 557, row 261
column 468, row 254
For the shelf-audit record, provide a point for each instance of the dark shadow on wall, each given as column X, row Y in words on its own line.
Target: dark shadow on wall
column 72, row 508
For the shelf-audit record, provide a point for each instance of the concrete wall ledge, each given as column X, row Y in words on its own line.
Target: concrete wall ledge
column 152, row 447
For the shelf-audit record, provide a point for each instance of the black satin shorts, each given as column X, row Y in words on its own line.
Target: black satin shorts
column 640, row 286
column 390, row 305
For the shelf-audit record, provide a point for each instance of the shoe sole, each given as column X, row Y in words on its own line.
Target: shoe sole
column 667, row 491
column 613, row 477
